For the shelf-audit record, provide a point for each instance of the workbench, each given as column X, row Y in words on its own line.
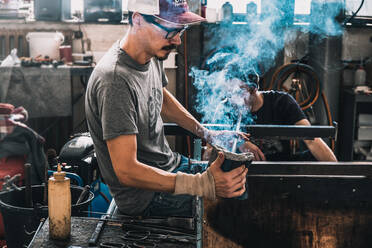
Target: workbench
column 81, row 231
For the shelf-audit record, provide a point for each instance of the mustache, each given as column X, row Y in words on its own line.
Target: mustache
column 169, row 48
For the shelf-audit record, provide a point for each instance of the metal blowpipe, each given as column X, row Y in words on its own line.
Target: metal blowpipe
column 237, row 129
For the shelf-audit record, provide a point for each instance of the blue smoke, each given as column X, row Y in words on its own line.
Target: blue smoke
column 323, row 18
column 220, row 96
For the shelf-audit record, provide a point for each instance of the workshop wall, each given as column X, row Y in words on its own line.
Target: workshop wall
column 98, row 38
column 357, row 44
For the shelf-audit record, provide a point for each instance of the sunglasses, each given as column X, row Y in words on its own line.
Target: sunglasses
column 171, row 32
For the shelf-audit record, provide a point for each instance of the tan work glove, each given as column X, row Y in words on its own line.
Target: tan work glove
column 198, row 184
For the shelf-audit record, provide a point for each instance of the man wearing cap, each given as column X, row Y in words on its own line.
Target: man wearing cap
column 125, row 102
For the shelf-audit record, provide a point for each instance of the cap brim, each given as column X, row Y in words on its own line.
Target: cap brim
column 186, row 18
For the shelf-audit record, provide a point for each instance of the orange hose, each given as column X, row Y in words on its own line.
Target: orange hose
column 271, row 85
column 188, row 139
column 329, row 116
column 305, row 104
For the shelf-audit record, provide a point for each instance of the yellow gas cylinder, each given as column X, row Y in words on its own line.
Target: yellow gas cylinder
column 59, row 205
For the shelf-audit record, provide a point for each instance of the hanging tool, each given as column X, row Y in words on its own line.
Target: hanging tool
column 46, row 178
column 28, row 194
column 9, row 182
column 233, row 150
column 83, row 194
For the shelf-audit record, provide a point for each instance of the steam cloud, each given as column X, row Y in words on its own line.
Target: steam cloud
column 220, row 99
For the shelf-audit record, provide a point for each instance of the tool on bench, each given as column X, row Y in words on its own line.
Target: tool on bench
column 155, row 237
column 178, row 222
column 187, row 223
column 139, row 244
column 95, row 236
column 113, row 245
column 100, row 225
column 155, row 234
column 132, row 239
column 146, row 239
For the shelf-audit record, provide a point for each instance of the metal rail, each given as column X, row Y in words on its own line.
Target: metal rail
column 264, row 131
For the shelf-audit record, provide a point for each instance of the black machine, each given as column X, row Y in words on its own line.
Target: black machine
column 103, row 11
column 79, row 156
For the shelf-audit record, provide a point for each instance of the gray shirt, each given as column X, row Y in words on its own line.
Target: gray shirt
column 124, row 97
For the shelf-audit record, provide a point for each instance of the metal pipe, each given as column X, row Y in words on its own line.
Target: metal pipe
column 264, row 131
column 237, row 129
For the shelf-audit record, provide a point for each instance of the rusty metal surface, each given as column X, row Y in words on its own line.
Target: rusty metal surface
column 81, row 230
column 269, row 221
column 295, row 205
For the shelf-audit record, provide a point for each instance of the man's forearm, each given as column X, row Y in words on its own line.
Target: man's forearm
column 147, row 177
column 317, row 146
column 132, row 173
column 320, row 150
column 154, row 179
column 174, row 111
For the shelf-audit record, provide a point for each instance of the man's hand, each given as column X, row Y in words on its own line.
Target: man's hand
column 250, row 147
column 228, row 184
column 225, row 138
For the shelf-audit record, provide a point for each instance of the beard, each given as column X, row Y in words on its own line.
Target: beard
column 168, row 49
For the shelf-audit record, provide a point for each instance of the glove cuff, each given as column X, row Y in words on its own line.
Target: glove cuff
column 198, row 184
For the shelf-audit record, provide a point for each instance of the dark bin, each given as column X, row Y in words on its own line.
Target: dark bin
column 21, row 223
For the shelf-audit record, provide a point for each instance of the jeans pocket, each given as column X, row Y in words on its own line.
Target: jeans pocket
column 171, row 201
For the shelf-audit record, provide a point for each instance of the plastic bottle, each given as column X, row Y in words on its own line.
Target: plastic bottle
column 227, row 12
column 360, row 76
column 59, row 205
column 204, row 8
column 251, row 11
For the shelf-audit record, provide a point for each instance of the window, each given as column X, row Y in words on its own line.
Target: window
column 239, row 6
column 302, row 7
column 353, row 5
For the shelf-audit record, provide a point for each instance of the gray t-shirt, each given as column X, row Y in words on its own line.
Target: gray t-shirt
column 124, row 97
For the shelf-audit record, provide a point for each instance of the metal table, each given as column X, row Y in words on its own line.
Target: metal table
column 81, row 231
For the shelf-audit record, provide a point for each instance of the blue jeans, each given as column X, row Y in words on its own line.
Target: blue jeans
column 167, row 204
